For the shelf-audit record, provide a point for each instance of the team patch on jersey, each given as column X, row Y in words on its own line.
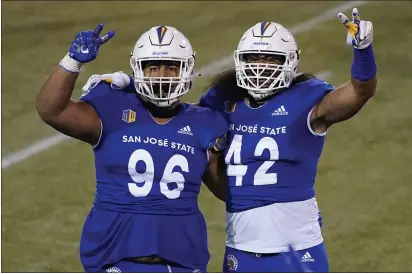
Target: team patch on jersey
column 113, row 270
column 230, row 106
column 232, row 262
column 129, row 116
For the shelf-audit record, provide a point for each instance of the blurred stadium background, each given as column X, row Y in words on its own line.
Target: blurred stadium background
column 364, row 181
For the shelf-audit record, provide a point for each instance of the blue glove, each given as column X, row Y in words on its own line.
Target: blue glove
column 84, row 48
column 86, row 44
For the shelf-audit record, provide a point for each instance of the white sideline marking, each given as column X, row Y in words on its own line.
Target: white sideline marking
column 49, row 142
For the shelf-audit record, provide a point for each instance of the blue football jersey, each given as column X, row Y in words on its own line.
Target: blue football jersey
column 148, row 178
column 272, row 154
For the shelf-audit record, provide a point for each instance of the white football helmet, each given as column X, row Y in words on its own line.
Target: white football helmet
column 264, row 79
column 162, row 43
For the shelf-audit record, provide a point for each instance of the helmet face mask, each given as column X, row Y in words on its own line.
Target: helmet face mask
column 162, row 91
column 266, row 60
column 162, row 46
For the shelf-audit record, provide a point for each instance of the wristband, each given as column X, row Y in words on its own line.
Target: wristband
column 70, row 65
column 363, row 66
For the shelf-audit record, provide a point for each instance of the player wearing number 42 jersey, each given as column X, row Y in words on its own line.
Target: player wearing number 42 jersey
column 151, row 153
column 278, row 119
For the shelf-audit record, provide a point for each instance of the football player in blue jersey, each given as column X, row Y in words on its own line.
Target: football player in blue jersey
column 278, row 119
column 151, row 154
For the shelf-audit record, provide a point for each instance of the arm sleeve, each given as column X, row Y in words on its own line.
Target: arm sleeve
column 212, row 100
column 97, row 97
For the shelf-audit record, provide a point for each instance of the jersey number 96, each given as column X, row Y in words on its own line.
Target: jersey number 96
column 147, row 177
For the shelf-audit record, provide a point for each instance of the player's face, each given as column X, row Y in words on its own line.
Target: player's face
column 270, row 59
column 156, row 71
column 265, row 58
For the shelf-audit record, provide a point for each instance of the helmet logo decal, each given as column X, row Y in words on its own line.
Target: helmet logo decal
column 263, row 27
column 161, row 31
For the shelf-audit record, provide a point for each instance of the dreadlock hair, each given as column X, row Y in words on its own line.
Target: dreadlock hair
column 228, row 90
column 225, row 84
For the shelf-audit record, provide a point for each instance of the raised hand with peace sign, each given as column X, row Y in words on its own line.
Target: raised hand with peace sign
column 86, row 44
column 85, row 48
column 360, row 33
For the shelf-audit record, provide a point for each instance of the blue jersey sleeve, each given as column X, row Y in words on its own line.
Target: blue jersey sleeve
column 321, row 86
column 211, row 99
column 96, row 93
column 311, row 93
column 99, row 97
column 219, row 127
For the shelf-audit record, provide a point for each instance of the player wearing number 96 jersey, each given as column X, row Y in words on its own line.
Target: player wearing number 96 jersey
column 151, row 153
column 278, row 119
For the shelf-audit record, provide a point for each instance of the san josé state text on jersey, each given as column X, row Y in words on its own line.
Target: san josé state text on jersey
column 272, row 154
column 148, row 178
column 145, row 167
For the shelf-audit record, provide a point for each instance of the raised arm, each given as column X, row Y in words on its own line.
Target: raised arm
column 54, row 104
column 348, row 99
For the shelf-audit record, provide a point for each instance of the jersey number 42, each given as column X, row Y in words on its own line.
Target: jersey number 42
column 261, row 177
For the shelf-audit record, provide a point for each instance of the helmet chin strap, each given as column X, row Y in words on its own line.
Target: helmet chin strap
column 257, row 100
column 262, row 96
column 156, row 103
column 161, row 112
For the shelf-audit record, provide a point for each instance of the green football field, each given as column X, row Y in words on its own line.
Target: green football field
column 364, row 181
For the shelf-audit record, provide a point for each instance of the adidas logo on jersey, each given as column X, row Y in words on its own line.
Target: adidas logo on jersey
column 280, row 111
column 307, row 258
column 186, row 130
